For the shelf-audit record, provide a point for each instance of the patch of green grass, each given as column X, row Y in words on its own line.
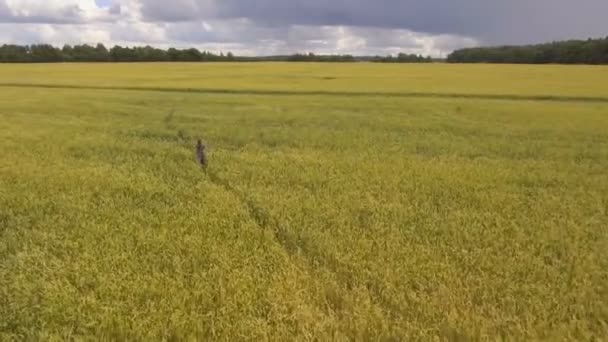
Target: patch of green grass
column 319, row 217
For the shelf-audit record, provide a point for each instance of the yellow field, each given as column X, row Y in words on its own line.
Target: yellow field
column 407, row 213
column 505, row 80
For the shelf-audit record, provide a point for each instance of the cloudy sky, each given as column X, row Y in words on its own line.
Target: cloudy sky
column 265, row 27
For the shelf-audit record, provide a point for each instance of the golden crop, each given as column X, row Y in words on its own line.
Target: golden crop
column 412, row 212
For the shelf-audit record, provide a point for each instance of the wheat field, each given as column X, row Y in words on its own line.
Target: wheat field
column 341, row 202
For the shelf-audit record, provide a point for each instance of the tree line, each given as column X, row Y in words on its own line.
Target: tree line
column 403, row 58
column 46, row 53
column 400, row 58
column 591, row 51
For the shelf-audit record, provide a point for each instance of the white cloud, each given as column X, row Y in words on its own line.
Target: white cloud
column 198, row 23
column 53, row 34
column 52, row 11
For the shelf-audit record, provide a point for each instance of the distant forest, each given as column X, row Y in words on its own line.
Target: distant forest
column 591, row 51
column 45, row 53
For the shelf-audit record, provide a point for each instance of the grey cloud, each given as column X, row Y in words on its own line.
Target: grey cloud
column 5, row 12
column 244, row 35
column 223, row 31
column 178, row 10
column 115, row 9
column 65, row 14
column 363, row 27
column 513, row 21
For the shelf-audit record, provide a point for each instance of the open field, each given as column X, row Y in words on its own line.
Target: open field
column 321, row 216
column 524, row 81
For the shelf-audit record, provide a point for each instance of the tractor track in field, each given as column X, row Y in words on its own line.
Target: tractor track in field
column 294, row 247
column 291, row 244
column 503, row 97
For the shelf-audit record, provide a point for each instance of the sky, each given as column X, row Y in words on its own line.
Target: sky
column 103, row 3
column 268, row 27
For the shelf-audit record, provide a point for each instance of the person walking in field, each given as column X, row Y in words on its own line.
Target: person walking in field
column 201, row 156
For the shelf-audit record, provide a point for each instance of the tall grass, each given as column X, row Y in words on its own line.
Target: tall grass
column 319, row 217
